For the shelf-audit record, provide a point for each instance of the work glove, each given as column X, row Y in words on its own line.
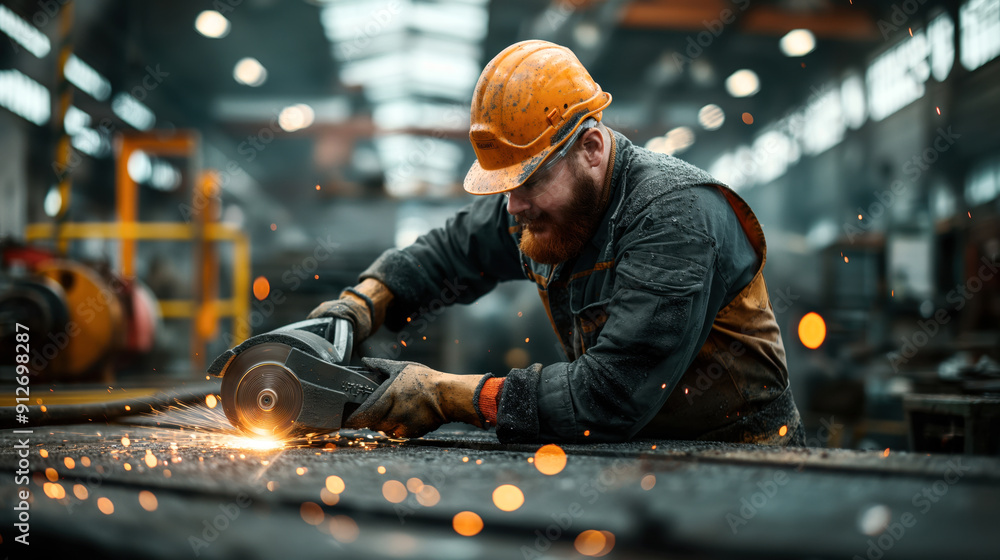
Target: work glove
column 350, row 307
column 364, row 306
column 415, row 400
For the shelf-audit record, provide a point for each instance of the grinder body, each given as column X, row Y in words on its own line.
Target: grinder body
column 293, row 381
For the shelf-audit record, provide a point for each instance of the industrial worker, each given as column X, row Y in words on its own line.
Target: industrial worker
column 649, row 269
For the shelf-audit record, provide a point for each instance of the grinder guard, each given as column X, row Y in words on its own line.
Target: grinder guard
column 294, row 380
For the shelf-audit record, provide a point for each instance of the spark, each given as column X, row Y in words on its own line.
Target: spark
column 69, row 462
column 381, row 469
column 911, row 31
column 527, row 339
column 782, row 431
column 886, row 452
column 938, row 109
column 648, row 482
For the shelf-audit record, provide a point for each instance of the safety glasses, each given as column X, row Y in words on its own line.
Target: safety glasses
column 540, row 180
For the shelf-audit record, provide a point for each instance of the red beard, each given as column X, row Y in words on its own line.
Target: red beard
column 567, row 239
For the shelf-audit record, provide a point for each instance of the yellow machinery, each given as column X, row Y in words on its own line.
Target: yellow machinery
column 205, row 308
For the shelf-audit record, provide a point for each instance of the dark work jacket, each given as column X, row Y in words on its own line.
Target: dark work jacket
column 664, row 317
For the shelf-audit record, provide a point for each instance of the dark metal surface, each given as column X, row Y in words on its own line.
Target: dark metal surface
column 215, row 499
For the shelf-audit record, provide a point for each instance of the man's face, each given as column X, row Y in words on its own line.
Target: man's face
column 558, row 211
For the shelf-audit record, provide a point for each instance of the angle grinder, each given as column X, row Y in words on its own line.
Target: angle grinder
column 293, row 381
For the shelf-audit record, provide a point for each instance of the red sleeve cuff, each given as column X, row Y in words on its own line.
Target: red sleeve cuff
column 489, row 398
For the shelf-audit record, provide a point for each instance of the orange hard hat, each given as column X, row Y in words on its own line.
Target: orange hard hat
column 528, row 102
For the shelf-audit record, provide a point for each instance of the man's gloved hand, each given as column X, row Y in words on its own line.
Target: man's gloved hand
column 415, row 400
column 349, row 307
column 366, row 315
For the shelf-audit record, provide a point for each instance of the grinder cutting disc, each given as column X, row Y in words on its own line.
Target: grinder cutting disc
column 260, row 396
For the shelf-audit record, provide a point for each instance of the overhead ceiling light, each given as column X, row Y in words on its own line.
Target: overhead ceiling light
column 133, row 111
column 212, row 24
column 711, row 117
column 673, row 142
column 24, row 96
column 80, row 74
column 21, row 31
column 587, row 34
column 250, row 72
column 743, row 83
column 296, row 117
column 798, row 42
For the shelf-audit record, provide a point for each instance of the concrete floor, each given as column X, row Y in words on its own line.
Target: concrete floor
column 216, row 499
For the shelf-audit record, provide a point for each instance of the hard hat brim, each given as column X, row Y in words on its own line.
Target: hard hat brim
column 481, row 181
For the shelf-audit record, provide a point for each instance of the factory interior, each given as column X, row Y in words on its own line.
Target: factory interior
column 177, row 177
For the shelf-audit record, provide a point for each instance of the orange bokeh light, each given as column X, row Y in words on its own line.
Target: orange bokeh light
column 311, row 513
column 261, row 288
column 467, row 523
column 508, row 497
column 812, row 330
column 148, row 500
column 335, row 484
column 394, row 491
column 105, row 505
column 594, row 543
column 550, row 459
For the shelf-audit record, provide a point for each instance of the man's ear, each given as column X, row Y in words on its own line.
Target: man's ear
column 592, row 146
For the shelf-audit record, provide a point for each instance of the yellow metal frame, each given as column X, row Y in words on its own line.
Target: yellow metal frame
column 204, row 309
column 238, row 306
